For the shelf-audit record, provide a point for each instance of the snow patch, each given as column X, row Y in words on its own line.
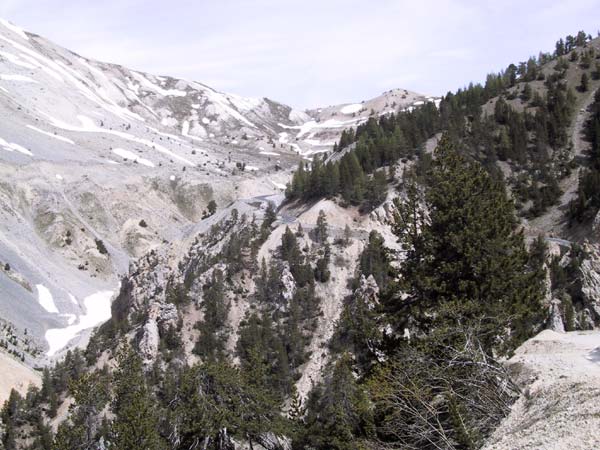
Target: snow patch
column 283, row 137
column 73, row 299
column 45, row 299
column 13, row 77
column 52, row 135
column 97, row 308
column 307, row 127
column 351, row 109
column 16, row 60
column 278, row 185
column 11, row 147
column 159, row 90
column 132, row 156
column 15, row 29
column 88, row 126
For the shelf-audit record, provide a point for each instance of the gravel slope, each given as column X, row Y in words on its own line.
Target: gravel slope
column 560, row 405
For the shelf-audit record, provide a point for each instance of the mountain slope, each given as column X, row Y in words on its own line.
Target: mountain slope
column 110, row 181
column 100, row 164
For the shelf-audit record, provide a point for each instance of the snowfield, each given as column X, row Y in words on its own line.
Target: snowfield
column 97, row 307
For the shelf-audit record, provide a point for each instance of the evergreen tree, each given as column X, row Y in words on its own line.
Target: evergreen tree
column 467, row 262
column 321, row 234
column 338, row 412
column 585, row 82
column 81, row 430
column 212, row 207
column 213, row 330
column 136, row 423
column 10, row 415
column 376, row 191
column 375, row 260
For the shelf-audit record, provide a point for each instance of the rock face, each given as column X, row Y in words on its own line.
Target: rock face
column 590, row 288
column 368, row 291
column 288, row 283
column 556, row 320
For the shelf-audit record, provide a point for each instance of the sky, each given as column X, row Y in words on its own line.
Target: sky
column 309, row 53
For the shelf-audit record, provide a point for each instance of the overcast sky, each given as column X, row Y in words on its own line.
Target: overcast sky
column 312, row 52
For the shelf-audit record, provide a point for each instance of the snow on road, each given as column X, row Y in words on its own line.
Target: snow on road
column 97, row 308
column 45, row 299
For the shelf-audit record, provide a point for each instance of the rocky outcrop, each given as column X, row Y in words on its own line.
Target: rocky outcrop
column 368, row 291
column 590, row 287
column 148, row 345
column 288, row 284
column 161, row 317
column 556, row 317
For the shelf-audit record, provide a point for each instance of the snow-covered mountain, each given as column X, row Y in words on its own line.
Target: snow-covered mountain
column 318, row 134
column 100, row 164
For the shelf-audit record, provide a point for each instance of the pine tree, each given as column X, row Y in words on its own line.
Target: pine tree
column 90, row 394
column 321, row 234
column 338, row 411
column 213, row 331
column 347, row 235
column 10, row 418
column 468, row 263
column 375, row 260
column 136, row 423
column 376, row 190
column 297, row 410
column 584, row 85
column 212, row 207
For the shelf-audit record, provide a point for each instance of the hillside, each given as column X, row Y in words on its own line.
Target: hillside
column 368, row 304
column 101, row 164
